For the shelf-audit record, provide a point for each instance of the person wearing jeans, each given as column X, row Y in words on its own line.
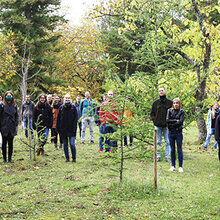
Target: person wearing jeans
column 87, row 110
column 67, row 125
column 108, row 117
column 27, row 114
column 158, row 116
column 211, row 118
column 175, row 118
column 71, row 140
column 42, row 121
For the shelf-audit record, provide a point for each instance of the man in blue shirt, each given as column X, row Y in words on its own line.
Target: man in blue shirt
column 88, row 109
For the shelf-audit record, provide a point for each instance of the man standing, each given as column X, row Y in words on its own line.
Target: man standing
column 66, row 126
column 87, row 109
column 27, row 114
column 77, row 103
column 158, row 115
column 108, row 117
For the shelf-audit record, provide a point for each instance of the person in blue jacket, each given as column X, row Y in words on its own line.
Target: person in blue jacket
column 88, row 110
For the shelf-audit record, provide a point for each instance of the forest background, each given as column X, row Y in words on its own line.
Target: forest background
column 129, row 46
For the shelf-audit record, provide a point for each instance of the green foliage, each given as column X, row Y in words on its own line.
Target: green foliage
column 49, row 188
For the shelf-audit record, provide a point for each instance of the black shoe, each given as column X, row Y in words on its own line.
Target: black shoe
column 74, row 160
column 67, row 160
column 158, row 159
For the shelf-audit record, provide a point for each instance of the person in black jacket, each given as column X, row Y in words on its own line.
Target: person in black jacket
column 42, row 121
column 67, row 125
column 217, row 134
column 158, row 116
column 175, row 118
column 9, row 123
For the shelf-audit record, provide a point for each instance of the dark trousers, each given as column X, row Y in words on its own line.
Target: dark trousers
column 54, row 136
column 126, row 142
column 80, row 129
column 8, row 139
column 176, row 136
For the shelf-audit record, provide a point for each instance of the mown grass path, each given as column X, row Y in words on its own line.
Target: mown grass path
column 49, row 188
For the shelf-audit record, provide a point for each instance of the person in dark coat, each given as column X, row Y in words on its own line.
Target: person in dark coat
column 9, row 123
column 217, row 134
column 158, row 116
column 42, row 121
column 67, row 125
column 175, row 118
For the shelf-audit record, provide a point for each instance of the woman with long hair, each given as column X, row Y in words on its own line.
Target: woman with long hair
column 9, row 123
column 174, row 119
column 42, row 121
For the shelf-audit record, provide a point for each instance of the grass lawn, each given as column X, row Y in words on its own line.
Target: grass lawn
column 50, row 188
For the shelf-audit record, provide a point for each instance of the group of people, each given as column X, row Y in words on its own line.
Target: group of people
column 62, row 117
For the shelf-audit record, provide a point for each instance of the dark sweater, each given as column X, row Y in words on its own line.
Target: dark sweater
column 43, row 115
column 9, row 120
column 175, row 118
column 159, row 111
column 217, row 129
column 67, row 121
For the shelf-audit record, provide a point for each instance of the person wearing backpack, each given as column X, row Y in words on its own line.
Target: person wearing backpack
column 9, row 123
column 67, row 125
column 88, row 110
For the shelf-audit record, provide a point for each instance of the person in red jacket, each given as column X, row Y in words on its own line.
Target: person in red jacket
column 108, row 117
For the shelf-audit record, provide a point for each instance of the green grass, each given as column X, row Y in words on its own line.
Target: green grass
column 49, row 188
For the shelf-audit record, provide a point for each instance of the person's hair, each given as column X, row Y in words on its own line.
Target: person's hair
column 213, row 110
column 78, row 96
column 42, row 94
column 179, row 102
column 13, row 101
column 162, row 87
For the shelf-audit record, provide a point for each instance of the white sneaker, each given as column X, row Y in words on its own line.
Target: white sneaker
column 180, row 169
column 172, row 168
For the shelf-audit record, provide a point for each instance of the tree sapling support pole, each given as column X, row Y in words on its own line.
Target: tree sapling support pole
column 155, row 159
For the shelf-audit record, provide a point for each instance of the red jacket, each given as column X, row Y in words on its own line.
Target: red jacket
column 107, row 116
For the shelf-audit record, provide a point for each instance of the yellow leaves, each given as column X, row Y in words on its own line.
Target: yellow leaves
column 7, row 53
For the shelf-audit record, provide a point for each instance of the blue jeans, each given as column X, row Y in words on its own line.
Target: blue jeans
column 72, row 146
column 164, row 130
column 178, row 137
column 209, row 137
column 101, row 137
column 28, row 126
column 43, row 135
column 110, row 129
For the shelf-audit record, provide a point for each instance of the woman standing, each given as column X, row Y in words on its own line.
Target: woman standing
column 66, row 126
column 42, row 121
column 174, row 119
column 9, row 123
column 211, row 118
column 56, row 104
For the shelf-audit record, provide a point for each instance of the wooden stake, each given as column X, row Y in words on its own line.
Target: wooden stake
column 155, row 159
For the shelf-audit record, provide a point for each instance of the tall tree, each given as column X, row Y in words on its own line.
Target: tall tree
column 178, row 37
column 32, row 22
